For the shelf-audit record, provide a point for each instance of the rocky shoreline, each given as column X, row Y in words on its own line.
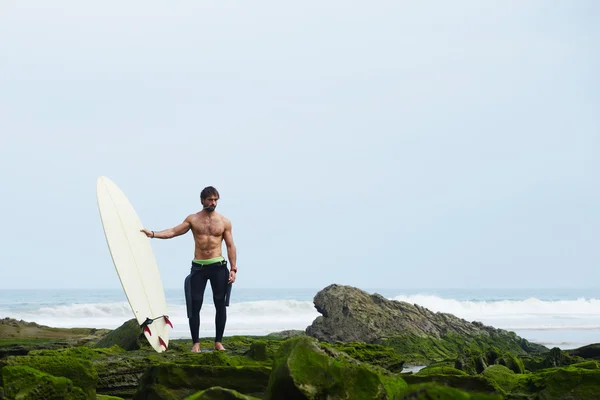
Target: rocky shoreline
column 358, row 349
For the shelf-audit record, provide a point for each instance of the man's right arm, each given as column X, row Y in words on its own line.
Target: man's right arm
column 171, row 232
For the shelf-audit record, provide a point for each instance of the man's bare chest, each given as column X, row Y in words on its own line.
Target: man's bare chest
column 209, row 227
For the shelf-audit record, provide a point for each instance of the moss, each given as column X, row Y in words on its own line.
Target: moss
column 511, row 362
column 433, row 370
column 81, row 372
column 476, row 383
column 502, row 376
column 564, row 383
column 592, row 364
column 184, row 380
column 219, row 393
column 128, row 336
column 430, row 391
column 259, row 351
column 26, row 383
column 106, row 397
column 374, row 354
column 82, row 352
column 302, row 369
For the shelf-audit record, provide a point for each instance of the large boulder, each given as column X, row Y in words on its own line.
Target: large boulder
column 350, row 314
column 128, row 336
column 305, row 370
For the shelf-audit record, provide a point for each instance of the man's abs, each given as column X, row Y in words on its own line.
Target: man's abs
column 207, row 247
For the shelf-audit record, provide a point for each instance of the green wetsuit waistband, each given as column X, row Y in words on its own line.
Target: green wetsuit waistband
column 209, row 261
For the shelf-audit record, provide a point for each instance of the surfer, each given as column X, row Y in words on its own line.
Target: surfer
column 209, row 229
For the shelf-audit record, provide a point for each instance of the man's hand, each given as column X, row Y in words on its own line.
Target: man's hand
column 148, row 233
column 231, row 276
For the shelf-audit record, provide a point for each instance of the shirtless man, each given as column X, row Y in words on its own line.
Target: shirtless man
column 209, row 229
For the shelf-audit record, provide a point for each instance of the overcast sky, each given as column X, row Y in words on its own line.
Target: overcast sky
column 386, row 144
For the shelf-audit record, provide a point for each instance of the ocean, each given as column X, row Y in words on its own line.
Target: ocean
column 565, row 318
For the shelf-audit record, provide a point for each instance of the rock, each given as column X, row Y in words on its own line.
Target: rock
column 304, row 370
column 469, row 383
column 26, row 383
column 429, row 391
column 566, row 383
column 21, row 330
column 219, row 393
column 589, row 351
column 80, row 372
column 506, row 379
column 286, row 334
column 128, row 336
column 350, row 314
column 259, row 351
column 558, row 358
column 172, row 381
column 374, row 354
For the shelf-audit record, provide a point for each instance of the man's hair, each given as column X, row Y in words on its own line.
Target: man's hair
column 209, row 191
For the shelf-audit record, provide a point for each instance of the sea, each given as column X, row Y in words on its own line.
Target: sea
column 564, row 318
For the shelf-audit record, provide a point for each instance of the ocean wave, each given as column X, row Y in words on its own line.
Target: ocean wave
column 509, row 308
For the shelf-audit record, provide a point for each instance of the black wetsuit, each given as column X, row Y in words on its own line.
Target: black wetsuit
column 195, row 284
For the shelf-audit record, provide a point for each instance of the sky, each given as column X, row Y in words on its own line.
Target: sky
column 387, row 144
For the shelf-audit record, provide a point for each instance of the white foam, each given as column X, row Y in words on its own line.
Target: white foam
column 245, row 318
column 528, row 314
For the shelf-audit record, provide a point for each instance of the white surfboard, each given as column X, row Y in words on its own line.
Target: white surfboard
column 134, row 261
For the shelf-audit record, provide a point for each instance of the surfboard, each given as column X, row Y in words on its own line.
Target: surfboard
column 135, row 263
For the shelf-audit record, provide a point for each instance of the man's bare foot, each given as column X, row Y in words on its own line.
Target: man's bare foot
column 196, row 348
column 219, row 346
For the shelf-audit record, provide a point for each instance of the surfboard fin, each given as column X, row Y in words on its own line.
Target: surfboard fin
column 162, row 342
column 147, row 329
column 167, row 321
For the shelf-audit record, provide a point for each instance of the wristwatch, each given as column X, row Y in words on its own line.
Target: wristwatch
column 234, row 270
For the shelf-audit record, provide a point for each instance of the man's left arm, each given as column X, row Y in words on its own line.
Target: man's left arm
column 231, row 250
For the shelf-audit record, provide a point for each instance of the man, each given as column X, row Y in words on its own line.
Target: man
column 209, row 229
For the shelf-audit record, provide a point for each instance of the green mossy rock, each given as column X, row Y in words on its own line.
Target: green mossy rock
column 416, row 349
column 505, row 378
column 591, row 351
column 26, row 383
column 81, row 372
column 566, row 383
column 592, row 364
column 173, row 381
column 219, row 393
column 374, row 354
column 128, row 336
column 554, row 358
column 430, row 391
column 476, row 362
column 469, row 383
column 304, row 370
column 259, row 351
column 427, row 371
column 106, row 397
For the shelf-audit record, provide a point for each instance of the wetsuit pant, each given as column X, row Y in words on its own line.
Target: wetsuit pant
column 195, row 284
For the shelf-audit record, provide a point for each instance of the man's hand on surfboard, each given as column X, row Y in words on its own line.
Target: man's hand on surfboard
column 147, row 232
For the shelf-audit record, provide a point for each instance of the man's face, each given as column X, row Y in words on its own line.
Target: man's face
column 210, row 203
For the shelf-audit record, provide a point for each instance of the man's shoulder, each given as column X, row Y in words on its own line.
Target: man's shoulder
column 224, row 219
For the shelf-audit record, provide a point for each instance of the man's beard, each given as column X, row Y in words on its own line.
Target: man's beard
column 210, row 209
